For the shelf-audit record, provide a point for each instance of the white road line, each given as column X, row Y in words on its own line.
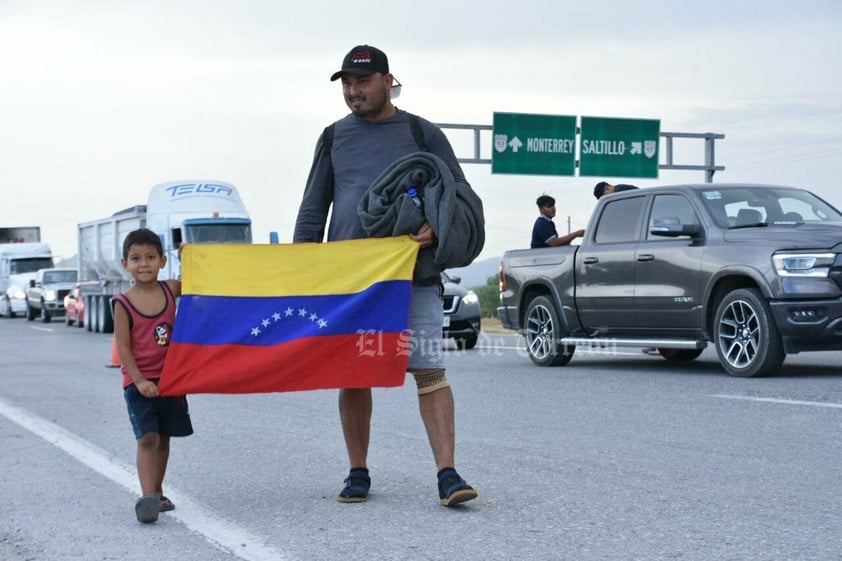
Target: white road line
column 782, row 401
column 218, row 531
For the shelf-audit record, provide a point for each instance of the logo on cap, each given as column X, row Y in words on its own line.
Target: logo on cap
column 360, row 57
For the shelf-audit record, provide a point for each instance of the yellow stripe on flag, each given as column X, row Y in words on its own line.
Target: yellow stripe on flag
column 306, row 269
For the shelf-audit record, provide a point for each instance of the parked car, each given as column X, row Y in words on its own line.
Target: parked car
column 13, row 302
column 461, row 312
column 74, row 302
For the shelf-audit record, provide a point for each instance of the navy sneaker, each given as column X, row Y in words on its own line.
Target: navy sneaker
column 356, row 487
column 453, row 489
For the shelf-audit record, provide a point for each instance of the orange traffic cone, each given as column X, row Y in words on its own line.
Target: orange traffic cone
column 115, row 356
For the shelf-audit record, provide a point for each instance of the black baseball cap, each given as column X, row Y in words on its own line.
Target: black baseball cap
column 363, row 60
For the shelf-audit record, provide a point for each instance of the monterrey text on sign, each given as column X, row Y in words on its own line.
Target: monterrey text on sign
column 534, row 144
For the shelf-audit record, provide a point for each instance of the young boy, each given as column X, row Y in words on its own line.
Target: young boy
column 143, row 324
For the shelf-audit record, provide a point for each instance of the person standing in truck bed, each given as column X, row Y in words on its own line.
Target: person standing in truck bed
column 544, row 232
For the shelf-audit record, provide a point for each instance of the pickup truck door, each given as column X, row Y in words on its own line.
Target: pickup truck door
column 605, row 265
column 668, row 269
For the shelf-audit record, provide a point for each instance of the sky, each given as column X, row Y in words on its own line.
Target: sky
column 102, row 99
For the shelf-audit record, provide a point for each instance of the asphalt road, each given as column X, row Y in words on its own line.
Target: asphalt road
column 624, row 457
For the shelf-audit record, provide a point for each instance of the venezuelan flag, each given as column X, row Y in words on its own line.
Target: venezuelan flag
column 275, row 318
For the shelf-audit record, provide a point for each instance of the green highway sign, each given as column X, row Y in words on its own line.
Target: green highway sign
column 611, row 147
column 534, row 144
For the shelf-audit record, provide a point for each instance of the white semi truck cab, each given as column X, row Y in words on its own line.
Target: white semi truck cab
column 191, row 211
column 19, row 262
column 196, row 212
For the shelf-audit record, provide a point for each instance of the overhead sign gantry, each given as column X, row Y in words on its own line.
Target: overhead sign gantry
column 524, row 143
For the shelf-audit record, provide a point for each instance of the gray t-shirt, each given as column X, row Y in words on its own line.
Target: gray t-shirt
column 361, row 151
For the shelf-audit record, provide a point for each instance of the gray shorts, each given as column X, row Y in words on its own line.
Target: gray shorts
column 426, row 316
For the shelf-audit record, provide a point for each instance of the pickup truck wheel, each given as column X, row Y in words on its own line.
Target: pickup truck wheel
column 542, row 333
column 45, row 314
column 680, row 355
column 747, row 339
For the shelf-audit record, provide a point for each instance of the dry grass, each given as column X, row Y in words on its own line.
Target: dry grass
column 492, row 325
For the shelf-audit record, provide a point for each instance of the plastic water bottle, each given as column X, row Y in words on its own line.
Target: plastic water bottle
column 415, row 198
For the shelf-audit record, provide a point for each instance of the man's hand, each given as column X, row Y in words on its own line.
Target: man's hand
column 425, row 235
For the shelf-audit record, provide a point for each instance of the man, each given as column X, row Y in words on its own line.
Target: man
column 604, row 188
column 544, row 233
column 349, row 156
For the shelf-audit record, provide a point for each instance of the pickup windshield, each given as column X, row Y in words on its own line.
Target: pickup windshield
column 750, row 206
column 59, row 276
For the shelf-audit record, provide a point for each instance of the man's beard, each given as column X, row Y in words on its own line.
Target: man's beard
column 374, row 109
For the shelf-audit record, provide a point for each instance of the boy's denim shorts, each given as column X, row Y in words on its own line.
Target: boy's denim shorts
column 167, row 416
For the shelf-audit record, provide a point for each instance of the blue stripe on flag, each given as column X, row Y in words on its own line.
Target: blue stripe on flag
column 255, row 320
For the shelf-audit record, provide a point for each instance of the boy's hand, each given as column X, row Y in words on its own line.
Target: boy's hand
column 147, row 389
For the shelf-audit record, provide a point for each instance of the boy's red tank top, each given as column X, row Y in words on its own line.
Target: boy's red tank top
column 150, row 335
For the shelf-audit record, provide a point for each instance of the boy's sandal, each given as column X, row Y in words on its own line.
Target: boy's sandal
column 166, row 504
column 147, row 508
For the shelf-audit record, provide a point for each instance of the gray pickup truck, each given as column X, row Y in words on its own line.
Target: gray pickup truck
column 755, row 270
column 45, row 293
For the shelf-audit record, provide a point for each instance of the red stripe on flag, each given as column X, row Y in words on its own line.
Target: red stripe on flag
column 339, row 361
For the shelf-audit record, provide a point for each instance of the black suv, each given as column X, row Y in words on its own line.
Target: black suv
column 461, row 312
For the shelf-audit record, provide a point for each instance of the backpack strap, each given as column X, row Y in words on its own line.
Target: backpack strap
column 417, row 132
column 414, row 126
column 327, row 138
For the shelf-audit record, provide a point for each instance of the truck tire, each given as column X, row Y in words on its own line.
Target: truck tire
column 466, row 343
column 542, row 331
column 105, row 321
column 680, row 355
column 89, row 312
column 746, row 337
column 93, row 314
column 45, row 314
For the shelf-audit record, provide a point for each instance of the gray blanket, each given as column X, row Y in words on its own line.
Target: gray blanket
column 453, row 210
